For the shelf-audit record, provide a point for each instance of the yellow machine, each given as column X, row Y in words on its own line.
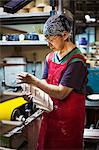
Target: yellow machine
column 7, row 108
column 17, row 116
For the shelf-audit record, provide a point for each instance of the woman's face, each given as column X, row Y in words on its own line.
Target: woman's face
column 56, row 42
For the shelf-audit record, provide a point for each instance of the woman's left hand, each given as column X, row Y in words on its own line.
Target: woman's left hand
column 28, row 97
column 25, row 77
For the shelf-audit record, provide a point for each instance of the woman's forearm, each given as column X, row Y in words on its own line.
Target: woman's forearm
column 56, row 91
column 59, row 92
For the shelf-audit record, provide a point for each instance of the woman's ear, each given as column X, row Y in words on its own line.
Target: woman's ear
column 65, row 35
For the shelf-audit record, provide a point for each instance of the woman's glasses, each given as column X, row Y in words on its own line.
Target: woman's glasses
column 52, row 39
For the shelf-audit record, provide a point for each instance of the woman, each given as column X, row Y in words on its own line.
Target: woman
column 64, row 79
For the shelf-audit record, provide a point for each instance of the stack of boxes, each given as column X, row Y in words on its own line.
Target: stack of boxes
column 36, row 6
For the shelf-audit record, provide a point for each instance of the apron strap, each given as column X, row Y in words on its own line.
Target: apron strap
column 50, row 56
column 76, row 56
column 84, row 60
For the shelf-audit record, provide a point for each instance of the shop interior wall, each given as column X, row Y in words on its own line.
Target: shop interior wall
column 27, row 51
column 24, row 51
column 97, row 34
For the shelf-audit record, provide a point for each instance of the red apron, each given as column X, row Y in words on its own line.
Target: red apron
column 62, row 129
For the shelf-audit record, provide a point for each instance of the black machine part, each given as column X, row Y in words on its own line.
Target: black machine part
column 14, row 5
column 15, row 114
column 18, row 129
column 23, row 112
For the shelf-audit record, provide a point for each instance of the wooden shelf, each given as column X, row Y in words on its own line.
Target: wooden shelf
column 96, row 54
column 6, row 64
column 23, row 43
column 9, row 19
column 93, row 59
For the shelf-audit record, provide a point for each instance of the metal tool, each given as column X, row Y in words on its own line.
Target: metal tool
column 26, row 122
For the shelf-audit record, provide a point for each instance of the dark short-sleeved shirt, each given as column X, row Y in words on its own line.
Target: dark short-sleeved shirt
column 75, row 74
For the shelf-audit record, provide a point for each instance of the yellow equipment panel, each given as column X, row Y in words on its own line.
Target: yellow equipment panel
column 7, row 107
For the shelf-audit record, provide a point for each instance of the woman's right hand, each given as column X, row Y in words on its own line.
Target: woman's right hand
column 25, row 77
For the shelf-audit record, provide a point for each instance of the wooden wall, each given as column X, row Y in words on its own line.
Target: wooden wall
column 97, row 34
column 6, row 30
column 24, row 51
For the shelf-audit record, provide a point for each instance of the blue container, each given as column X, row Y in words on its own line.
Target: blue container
column 83, row 41
column 93, row 79
column 31, row 36
column 12, row 37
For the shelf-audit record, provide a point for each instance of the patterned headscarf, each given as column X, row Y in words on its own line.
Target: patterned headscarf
column 57, row 24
